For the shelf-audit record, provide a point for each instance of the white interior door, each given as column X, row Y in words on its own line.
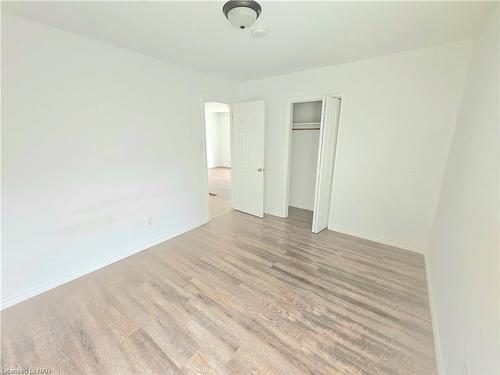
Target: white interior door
column 248, row 123
column 326, row 161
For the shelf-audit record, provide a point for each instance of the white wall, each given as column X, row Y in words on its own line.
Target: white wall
column 218, row 139
column 397, row 120
column 211, row 122
column 224, row 140
column 303, row 167
column 95, row 140
column 464, row 257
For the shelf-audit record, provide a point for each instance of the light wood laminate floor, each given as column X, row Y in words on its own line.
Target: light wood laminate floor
column 219, row 182
column 239, row 295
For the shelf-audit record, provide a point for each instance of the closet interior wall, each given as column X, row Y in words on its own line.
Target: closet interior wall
column 306, row 120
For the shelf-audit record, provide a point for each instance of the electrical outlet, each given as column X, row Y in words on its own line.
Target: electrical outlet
column 150, row 220
column 465, row 369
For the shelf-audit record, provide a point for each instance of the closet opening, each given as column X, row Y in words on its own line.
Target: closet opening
column 306, row 122
column 313, row 140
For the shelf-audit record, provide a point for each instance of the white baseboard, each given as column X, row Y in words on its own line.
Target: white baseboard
column 435, row 330
column 94, row 267
column 379, row 240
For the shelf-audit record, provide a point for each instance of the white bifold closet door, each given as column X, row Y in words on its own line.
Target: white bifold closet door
column 248, row 125
column 326, row 161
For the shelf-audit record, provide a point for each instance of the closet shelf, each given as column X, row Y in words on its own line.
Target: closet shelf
column 305, row 123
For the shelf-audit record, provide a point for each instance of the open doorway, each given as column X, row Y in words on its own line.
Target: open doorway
column 313, row 142
column 306, row 122
column 218, row 136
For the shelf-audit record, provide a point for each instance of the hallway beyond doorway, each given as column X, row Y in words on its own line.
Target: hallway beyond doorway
column 219, row 187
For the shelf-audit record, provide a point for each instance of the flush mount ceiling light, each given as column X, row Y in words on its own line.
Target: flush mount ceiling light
column 242, row 14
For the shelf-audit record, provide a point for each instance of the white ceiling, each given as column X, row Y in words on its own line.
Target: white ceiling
column 301, row 35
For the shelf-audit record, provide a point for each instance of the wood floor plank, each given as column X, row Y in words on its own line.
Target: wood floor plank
column 219, row 186
column 239, row 295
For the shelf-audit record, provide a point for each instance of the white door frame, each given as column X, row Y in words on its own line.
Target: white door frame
column 288, row 144
column 218, row 99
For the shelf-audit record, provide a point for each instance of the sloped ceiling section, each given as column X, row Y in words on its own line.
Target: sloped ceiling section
column 301, row 34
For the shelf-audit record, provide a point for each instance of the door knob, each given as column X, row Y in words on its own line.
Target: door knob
column 260, row 169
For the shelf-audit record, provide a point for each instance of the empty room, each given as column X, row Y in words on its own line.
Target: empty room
column 250, row 187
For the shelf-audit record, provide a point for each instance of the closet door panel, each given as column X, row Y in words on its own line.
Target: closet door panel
column 326, row 162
